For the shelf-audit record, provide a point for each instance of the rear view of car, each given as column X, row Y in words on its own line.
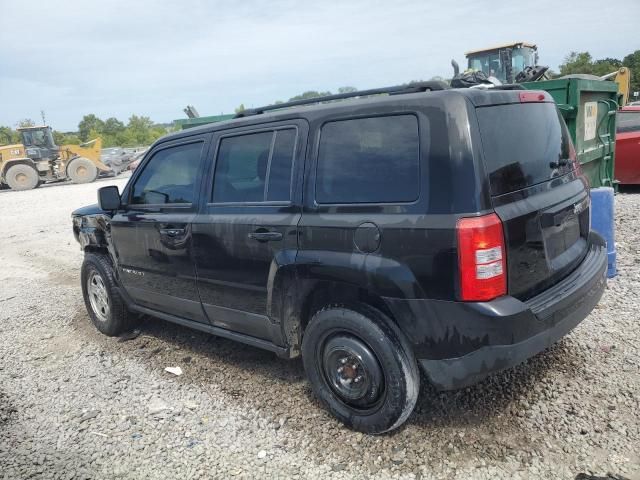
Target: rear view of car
column 532, row 267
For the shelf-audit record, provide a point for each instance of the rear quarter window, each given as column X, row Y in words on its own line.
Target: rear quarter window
column 369, row 160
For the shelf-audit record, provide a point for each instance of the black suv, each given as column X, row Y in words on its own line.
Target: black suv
column 448, row 230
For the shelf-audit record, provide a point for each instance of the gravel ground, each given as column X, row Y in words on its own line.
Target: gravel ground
column 76, row 404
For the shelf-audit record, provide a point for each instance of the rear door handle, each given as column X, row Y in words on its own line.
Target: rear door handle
column 262, row 236
column 172, row 232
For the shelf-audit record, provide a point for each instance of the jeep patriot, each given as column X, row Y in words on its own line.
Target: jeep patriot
column 443, row 230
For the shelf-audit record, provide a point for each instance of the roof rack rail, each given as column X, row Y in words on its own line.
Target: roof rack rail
column 396, row 90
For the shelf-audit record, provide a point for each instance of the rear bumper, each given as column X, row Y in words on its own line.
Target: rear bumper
column 463, row 343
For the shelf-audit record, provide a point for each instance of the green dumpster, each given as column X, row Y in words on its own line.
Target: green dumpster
column 589, row 108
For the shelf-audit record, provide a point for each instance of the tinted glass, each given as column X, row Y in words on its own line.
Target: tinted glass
column 281, row 166
column 169, row 176
column 524, row 144
column 369, row 160
column 628, row 122
column 241, row 168
column 247, row 170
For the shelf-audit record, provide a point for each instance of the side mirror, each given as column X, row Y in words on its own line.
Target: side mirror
column 109, row 198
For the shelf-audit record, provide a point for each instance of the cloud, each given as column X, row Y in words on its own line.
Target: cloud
column 117, row 58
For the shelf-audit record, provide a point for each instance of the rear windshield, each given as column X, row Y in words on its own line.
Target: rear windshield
column 524, row 144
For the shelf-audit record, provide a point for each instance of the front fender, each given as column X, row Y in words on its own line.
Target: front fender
column 91, row 227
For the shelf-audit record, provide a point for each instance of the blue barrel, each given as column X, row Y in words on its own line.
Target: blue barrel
column 603, row 222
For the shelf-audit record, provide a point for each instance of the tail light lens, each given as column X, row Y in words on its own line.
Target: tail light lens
column 481, row 258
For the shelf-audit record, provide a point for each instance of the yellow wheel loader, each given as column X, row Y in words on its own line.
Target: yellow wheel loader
column 38, row 159
column 518, row 63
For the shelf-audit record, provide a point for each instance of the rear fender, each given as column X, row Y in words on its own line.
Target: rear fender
column 381, row 276
column 293, row 279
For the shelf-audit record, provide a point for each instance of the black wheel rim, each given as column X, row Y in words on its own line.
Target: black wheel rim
column 352, row 371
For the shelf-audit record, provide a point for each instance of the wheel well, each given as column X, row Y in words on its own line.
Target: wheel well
column 327, row 293
column 24, row 161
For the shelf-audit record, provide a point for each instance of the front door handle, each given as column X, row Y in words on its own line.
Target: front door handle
column 265, row 236
column 172, row 232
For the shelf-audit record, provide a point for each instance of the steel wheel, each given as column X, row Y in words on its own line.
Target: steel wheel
column 360, row 367
column 98, row 296
column 352, row 371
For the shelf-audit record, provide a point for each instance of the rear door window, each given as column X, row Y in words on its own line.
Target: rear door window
column 255, row 167
column 524, row 144
column 369, row 160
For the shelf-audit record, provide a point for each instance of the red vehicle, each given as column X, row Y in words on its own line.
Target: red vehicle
column 628, row 145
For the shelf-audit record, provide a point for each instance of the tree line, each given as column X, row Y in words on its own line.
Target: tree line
column 583, row 62
column 138, row 131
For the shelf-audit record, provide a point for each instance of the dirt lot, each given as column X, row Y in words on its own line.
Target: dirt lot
column 75, row 404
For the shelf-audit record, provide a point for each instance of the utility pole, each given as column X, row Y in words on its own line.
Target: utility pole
column 44, row 122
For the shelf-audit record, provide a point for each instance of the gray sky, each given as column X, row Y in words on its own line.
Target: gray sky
column 117, row 58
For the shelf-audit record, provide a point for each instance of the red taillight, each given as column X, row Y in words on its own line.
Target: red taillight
column 482, row 258
column 532, row 97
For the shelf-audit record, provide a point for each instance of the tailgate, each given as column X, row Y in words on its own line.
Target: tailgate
column 537, row 192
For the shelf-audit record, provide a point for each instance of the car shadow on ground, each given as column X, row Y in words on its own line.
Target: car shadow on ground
column 163, row 344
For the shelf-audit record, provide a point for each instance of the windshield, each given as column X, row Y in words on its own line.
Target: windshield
column 489, row 64
column 521, row 58
column 37, row 138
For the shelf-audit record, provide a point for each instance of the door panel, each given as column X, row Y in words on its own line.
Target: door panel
column 241, row 238
column 234, row 268
column 155, row 268
column 152, row 235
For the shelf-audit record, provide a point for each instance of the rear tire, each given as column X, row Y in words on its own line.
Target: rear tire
column 82, row 170
column 22, row 177
column 105, row 306
column 361, row 367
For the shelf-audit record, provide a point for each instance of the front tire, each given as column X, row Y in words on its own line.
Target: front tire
column 22, row 177
column 82, row 170
column 361, row 367
column 105, row 306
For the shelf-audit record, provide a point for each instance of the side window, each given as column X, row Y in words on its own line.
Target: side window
column 280, row 168
column 369, row 160
column 255, row 167
column 169, row 176
column 628, row 122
